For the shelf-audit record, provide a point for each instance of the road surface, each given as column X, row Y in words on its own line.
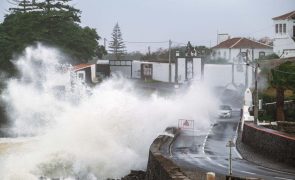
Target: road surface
column 208, row 152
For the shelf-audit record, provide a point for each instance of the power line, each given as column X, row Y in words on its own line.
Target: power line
column 179, row 43
column 146, row 42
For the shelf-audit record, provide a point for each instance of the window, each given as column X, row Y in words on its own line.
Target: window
column 284, row 28
column 261, row 54
column 224, row 54
column 277, row 28
column 280, row 29
column 81, row 75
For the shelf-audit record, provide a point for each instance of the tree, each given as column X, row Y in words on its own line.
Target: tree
column 60, row 9
column 23, row 6
column 283, row 77
column 57, row 28
column 117, row 46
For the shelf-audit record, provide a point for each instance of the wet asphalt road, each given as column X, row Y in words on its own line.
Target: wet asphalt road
column 207, row 151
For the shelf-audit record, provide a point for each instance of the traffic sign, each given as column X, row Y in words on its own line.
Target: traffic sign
column 185, row 124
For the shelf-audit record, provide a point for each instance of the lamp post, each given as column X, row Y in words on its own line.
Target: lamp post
column 230, row 144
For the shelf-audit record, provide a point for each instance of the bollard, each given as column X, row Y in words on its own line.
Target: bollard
column 210, row 176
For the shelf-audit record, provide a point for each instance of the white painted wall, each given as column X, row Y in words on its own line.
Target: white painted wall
column 221, row 75
column 161, row 70
column 93, row 73
column 181, row 70
column 284, row 41
column 233, row 54
column 136, row 69
column 281, row 44
column 240, row 75
column 197, row 69
column 289, row 28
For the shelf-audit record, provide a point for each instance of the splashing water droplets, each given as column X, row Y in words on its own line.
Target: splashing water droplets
column 96, row 135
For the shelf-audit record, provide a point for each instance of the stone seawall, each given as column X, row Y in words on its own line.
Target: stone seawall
column 271, row 143
column 160, row 167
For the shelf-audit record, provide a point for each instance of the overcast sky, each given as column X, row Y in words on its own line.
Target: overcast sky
column 197, row 21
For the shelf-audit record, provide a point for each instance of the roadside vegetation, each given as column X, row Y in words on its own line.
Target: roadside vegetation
column 280, row 92
column 50, row 22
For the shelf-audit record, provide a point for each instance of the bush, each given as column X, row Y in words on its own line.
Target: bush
column 270, row 56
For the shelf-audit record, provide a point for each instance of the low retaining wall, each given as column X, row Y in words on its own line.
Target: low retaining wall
column 274, row 144
column 159, row 166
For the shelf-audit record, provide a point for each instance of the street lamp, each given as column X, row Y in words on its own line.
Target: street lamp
column 230, row 144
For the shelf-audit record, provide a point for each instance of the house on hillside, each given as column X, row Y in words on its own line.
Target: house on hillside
column 232, row 49
column 284, row 39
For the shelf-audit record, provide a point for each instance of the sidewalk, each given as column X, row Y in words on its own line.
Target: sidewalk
column 251, row 155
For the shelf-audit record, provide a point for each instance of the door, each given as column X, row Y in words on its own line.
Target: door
column 293, row 31
column 146, row 71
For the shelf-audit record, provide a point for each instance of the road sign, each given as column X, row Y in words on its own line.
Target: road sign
column 230, row 144
column 185, row 124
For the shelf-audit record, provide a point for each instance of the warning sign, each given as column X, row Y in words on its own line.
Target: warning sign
column 185, row 124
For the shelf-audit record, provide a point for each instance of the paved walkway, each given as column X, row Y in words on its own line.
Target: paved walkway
column 251, row 155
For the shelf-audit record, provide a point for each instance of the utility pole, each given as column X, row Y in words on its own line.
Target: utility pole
column 170, row 43
column 246, row 78
column 256, row 101
column 104, row 42
column 177, row 54
column 233, row 73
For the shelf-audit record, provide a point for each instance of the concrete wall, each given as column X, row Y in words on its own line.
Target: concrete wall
column 161, row 70
column 271, row 143
column 221, row 74
column 159, row 166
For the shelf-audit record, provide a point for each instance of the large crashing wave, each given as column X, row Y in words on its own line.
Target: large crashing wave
column 77, row 134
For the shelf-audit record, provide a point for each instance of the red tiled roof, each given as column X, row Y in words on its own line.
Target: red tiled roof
column 285, row 16
column 80, row 66
column 237, row 43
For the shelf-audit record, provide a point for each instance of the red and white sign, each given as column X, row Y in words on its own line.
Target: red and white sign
column 185, row 124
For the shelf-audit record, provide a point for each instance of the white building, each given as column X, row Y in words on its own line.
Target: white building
column 284, row 40
column 233, row 48
column 185, row 70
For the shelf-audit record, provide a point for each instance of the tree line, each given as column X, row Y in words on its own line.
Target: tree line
column 52, row 22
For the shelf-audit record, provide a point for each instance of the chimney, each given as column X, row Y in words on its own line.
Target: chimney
column 222, row 37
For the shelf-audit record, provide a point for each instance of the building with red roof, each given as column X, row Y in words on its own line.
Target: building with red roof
column 233, row 49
